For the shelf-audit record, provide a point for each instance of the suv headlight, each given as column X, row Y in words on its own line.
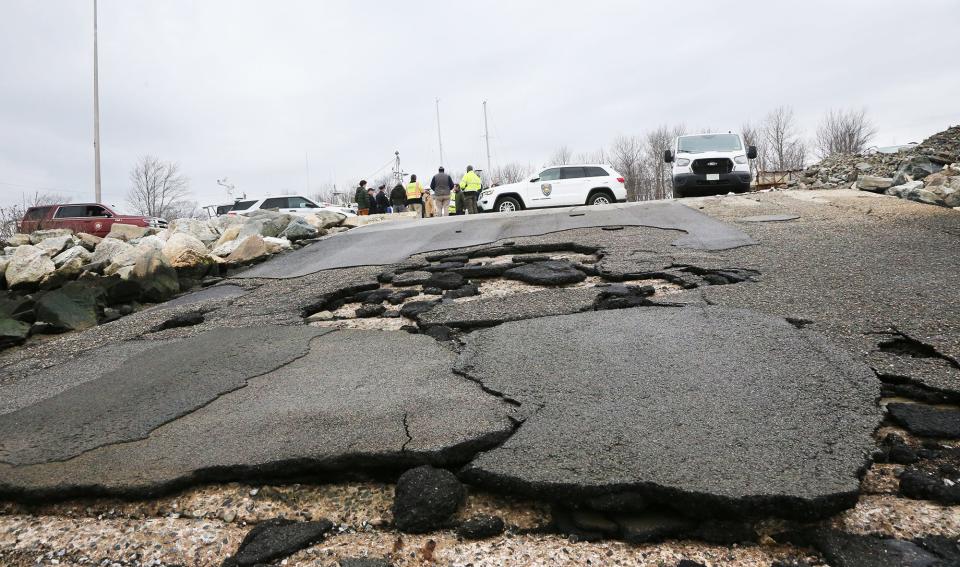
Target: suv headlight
column 486, row 192
column 683, row 162
column 740, row 159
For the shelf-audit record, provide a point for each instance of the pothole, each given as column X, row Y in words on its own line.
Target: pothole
column 399, row 297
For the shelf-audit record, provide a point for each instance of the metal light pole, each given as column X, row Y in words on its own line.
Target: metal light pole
column 96, row 110
column 439, row 137
column 486, row 135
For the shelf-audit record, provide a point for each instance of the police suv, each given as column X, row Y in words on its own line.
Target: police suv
column 709, row 164
column 558, row 186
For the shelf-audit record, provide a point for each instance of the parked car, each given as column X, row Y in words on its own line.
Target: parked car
column 565, row 185
column 709, row 164
column 296, row 204
column 92, row 218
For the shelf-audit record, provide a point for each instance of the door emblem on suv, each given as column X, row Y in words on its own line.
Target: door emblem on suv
column 546, row 188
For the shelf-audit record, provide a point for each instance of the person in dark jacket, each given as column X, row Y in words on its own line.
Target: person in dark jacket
column 441, row 185
column 383, row 202
column 372, row 199
column 363, row 202
column 398, row 197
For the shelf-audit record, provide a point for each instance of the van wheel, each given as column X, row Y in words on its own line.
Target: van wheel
column 600, row 198
column 507, row 205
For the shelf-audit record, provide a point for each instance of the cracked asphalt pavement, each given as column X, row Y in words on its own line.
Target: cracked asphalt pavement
column 750, row 392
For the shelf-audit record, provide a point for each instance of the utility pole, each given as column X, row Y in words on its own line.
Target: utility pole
column 96, row 110
column 486, row 135
column 306, row 161
column 439, row 137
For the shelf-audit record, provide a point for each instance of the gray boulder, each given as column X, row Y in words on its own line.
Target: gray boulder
column 70, row 308
column 39, row 236
column 901, row 190
column 157, row 278
column 55, row 245
column 108, row 249
column 426, row 499
column 27, row 267
column 18, row 239
column 12, row 332
column 251, row 248
column 70, row 254
column 874, row 183
column 298, row 229
column 325, row 219
column 197, row 228
column 182, row 241
column 924, row 196
column 128, row 232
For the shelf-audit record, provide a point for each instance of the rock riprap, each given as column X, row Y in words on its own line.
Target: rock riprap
column 706, row 410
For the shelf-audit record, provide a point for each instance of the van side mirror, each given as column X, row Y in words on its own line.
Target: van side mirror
column 534, row 180
column 667, row 156
column 751, row 152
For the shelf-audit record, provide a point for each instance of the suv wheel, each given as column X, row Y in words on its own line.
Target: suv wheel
column 600, row 198
column 507, row 205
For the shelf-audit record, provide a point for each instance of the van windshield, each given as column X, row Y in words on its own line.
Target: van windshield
column 709, row 143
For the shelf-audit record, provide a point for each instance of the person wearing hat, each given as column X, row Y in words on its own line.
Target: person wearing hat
column 470, row 185
column 363, row 201
column 383, row 202
column 441, row 185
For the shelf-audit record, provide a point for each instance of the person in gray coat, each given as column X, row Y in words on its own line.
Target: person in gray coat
column 441, row 185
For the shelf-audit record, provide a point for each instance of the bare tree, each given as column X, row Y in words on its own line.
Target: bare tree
column 599, row 156
column 327, row 193
column 626, row 156
column 657, row 142
column 10, row 216
column 784, row 149
column 158, row 186
column 509, row 173
column 844, row 132
column 560, row 156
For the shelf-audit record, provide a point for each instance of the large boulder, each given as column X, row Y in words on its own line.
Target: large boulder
column 71, row 308
column 55, row 244
column 299, row 229
column 128, row 232
column 249, row 249
column 72, row 253
column 192, row 264
column 924, row 196
column 27, row 267
column 874, row 183
column 229, row 234
column 902, row 189
column 227, row 248
column 3, row 269
column 273, row 222
column 18, row 239
column 39, row 236
column 324, row 219
column 108, row 249
column 426, row 499
column 12, row 332
column 67, row 271
column 275, row 245
column 157, row 278
column 88, row 241
column 152, row 242
column 181, row 241
column 196, row 228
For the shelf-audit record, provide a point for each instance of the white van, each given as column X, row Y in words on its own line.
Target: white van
column 558, row 186
column 710, row 164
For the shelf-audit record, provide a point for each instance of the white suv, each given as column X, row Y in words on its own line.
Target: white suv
column 558, row 186
column 296, row 204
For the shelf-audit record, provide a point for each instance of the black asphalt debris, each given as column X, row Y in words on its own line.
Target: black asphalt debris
column 426, row 499
column 275, row 539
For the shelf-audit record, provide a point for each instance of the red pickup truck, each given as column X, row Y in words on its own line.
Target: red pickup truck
column 91, row 218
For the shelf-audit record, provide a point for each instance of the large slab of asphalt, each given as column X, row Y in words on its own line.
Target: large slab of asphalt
column 393, row 242
column 707, row 410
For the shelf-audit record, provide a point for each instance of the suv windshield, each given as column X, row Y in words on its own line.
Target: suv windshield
column 709, row 143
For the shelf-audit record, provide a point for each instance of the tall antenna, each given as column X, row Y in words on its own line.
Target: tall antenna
column 486, row 135
column 439, row 137
column 96, row 110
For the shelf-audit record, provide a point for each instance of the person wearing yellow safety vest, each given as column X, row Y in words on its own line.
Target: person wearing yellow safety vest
column 469, row 189
column 415, row 195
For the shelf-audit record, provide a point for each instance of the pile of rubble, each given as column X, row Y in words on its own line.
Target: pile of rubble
column 928, row 173
column 60, row 281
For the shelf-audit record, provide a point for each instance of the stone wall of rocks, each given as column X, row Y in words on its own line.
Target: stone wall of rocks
column 927, row 173
column 58, row 281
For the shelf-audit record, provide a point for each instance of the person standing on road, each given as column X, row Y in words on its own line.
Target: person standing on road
column 372, row 201
column 470, row 187
column 383, row 202
column 415, row 195
column 441, row 185
column 363, row 202
column 398, row 197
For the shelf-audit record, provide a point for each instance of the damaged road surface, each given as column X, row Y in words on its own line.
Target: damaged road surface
column 329, row 410
column 707, row 410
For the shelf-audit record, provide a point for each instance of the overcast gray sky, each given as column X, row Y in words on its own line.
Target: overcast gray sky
column 249, row 89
